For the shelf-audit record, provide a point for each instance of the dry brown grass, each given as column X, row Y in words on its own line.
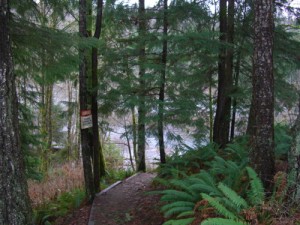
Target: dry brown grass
column 60, row 179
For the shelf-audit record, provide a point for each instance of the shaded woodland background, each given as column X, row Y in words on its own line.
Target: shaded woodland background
column 190, row 79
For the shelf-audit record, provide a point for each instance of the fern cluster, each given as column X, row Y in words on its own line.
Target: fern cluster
column 65, row 202
column 232, row 206
column 224, row 183
column 187, row 161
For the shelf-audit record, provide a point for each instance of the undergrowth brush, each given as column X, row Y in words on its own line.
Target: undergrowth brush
column 62, row 190
column 60, row 179
column 113, row 176
column 209, row 186
column 63, row 204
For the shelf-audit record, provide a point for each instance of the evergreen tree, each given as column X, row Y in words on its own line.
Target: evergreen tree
column 225, row 70
column 141, row 126
column 98, row 160
column 14, row 202
column 262, row 128
column 162, row 84
column 83, row 99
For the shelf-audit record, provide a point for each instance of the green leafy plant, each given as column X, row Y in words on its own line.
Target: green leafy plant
column 224, row 184
column 114, row 175
column 64, row 203
column 187, row 161
column 183, row 195
column 232, row 206
column 220, row 221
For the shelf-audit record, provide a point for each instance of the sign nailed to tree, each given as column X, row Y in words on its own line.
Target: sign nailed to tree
column 86, row 119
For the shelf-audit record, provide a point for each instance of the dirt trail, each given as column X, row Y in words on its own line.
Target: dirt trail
column 126, row 203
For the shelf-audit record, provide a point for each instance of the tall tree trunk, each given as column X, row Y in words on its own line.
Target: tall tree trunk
column 134, row 136
column 142, row 86
column 49, row 103
column 262, row 130
column 294, row 159
column 222, row 117
column 129, row 147
column 234, row 102
column 46, row 123
column 99, row 170
column 250, row 124
column 14, row 202
column 69, row 126
column 211, row 111
column 83, row 99
column 162, row 86
column 43, row 128
column 133, row 117
column 229, row 61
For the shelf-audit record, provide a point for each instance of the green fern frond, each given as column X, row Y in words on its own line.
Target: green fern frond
column 180, row 222
column 186, row 214
column 218, row 165
column 202, row 187
column 182, row 185
column 196, row 164
column 238, row 149
column 173, row 195
column 176, row 173
column 228, row 204
column 237, row 200
column 207, row 177
column 204, row 182
column 161, row 181
column 219, row 207
column 219, row 160
column 195, row 180
column 221, row 221
column 256, row 193
column 177, row 204
column 232, row 165
column 176, row 210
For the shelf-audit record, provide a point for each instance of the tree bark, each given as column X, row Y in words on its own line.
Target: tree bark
column 83, row 100
column 262, row 129
column 234, row 102
column 162, row 86
column 294, row 160
column 99, row 170
column 134, row 136
column 211, row 111
column 69, row 126
column 222, row 117
column 46, row 117
column 142, row 85
column 129, row 147
column 14, row 202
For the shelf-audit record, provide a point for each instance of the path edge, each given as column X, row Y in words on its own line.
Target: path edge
column 105, row 191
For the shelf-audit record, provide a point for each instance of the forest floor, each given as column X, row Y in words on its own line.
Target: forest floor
column 125, row 204
column 129, row 204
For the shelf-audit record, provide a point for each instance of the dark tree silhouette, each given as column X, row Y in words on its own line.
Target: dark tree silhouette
column 262, row 126
column 14, row 201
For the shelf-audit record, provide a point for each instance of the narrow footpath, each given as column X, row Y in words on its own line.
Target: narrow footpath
column 127, row 204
